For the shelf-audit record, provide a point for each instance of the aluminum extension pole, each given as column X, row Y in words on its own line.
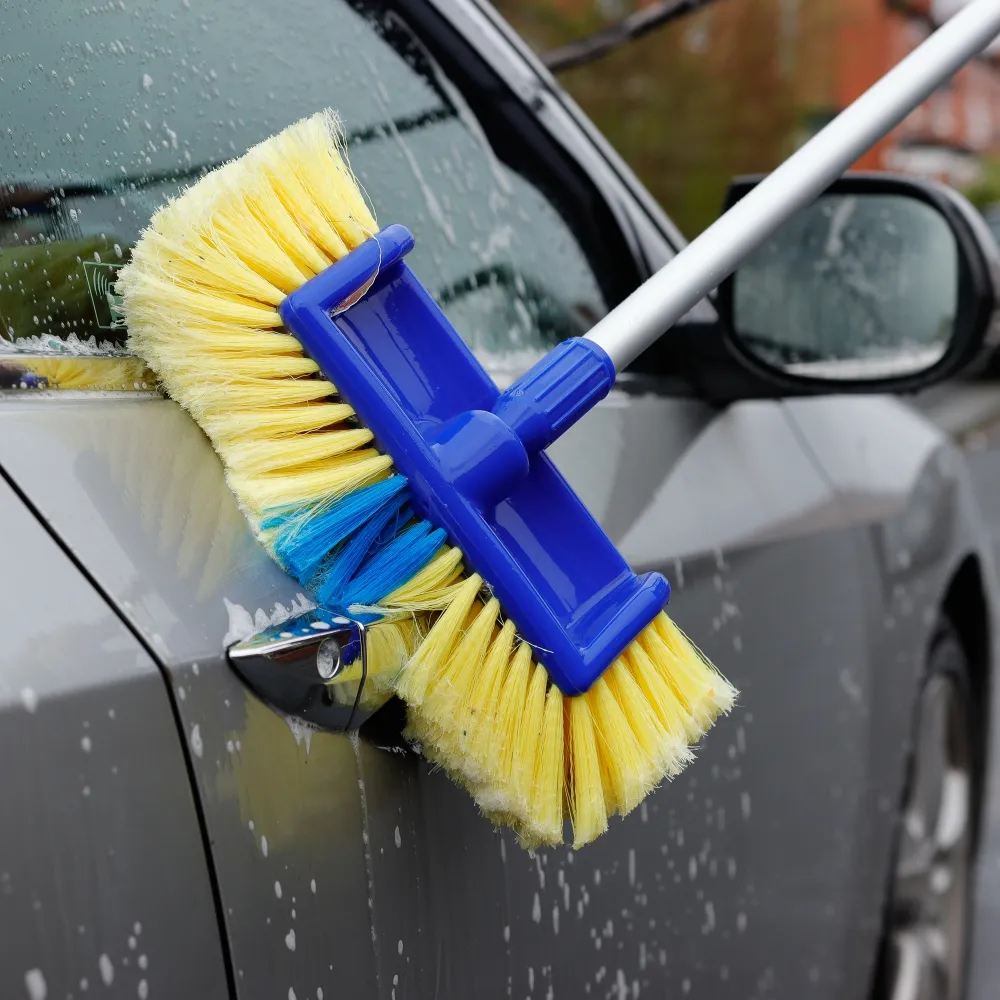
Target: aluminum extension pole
column 656, row 305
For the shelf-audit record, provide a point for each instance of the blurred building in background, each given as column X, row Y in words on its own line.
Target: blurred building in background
column 737, row 86
column 950, row 137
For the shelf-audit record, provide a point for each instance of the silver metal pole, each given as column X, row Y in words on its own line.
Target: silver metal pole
column 656, row 305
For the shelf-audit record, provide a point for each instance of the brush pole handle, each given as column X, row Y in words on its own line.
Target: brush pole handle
column 670, row 293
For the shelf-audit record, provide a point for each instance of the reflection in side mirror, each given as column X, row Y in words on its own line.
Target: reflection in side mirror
column 859, row 286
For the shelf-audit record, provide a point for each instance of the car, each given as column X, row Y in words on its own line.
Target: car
column 175, row 826
column 991, row 213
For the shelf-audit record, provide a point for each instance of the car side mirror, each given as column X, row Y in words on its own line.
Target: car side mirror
column 882, row 284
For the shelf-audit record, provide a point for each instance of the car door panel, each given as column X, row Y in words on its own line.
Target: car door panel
column 759, row 828
column 673, row 465
column 103, row 873
column 969, row 415
column 136, row 492
column 438, row 882
column 921, row 513
column 753, row 853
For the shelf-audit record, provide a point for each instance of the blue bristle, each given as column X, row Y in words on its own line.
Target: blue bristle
column 305, row 538
column 394, row 526
column 333, row 579
column 360, row 549
column 394, row 565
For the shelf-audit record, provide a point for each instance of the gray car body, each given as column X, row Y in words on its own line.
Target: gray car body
column 812, row 545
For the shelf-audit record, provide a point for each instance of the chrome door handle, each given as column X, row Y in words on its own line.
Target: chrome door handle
column 313, row 666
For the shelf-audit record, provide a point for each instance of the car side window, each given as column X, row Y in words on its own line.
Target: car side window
column 114, row 108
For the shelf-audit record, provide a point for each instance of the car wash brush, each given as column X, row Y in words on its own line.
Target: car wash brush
column 385, row 471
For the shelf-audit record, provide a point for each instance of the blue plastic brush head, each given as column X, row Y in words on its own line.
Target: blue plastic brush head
column 474, row 458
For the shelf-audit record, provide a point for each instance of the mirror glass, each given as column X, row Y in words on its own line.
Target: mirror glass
column 857, row 286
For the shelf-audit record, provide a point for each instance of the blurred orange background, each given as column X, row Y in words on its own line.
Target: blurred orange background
column 735, row 87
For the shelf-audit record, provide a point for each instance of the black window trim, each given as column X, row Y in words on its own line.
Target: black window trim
column 484, row 66
column 511, row 57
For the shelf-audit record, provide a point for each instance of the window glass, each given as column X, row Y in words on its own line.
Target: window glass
column 111, row 108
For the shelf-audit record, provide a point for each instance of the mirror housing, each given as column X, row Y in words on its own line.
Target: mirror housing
column 793, row 274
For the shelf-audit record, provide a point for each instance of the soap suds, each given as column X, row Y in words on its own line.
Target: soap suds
column 35, row 984
column 302, row 731
column 242, row 624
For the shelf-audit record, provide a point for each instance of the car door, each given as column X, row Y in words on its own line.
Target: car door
column 104, row 874
column 345, row 866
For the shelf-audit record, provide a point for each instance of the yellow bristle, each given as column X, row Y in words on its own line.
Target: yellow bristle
column 389, row 646
column 265, row 491
column 717, row 695
column 448, row 687
column 268, row 425
column 657, row 746
column 548, row 789
column 232, row 344
column 274, row 216
column 437, row 646
column 249, row 394
column 483, row 699
column 434, row 587
column 669, row 713
column 298, row 201
column 191, row 304
column 532, row 810
column 214, row 266
column 507, row 783
column 587, row 806
column 180, row 216
column 323, row 170
column 263, row 248
column 698, row 687
column 273, row 366
column 624, row 767
column 261, row 456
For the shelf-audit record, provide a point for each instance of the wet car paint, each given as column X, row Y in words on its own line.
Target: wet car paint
column 763, row 864
column 104, row 883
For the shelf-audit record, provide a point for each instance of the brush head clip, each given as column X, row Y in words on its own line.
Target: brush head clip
column 474, row 456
